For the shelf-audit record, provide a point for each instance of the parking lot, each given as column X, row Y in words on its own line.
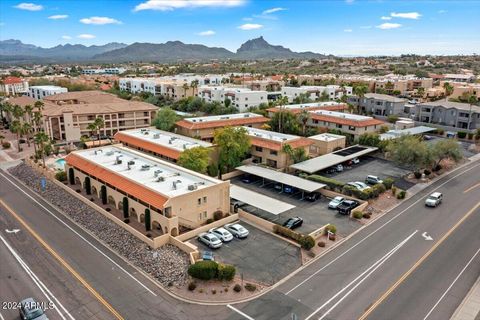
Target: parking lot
column 314, row 214
column 373, row 166
column 261, row 257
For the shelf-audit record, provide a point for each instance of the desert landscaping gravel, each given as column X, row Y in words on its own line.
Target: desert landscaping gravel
column 167, row 264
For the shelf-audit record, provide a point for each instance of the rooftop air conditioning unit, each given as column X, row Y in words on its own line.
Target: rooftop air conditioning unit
column 145, row 167
column 192, row 187
column 157, row 172
column 160, row 179
column 109, row 153
column 131, row 162
column 170, row 141
column 156, row 136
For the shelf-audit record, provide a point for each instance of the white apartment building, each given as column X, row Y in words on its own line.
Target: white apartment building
column 241, row 98
column 13, row 85
column 316, row 92
column 104, row 71
column 40, row 92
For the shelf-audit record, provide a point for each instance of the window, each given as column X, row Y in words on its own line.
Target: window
column 199, row 201
column 339, row 126
column 200, row 216
column 273, row 152
column 204, row 199
column 259, row 149
column 205, row 214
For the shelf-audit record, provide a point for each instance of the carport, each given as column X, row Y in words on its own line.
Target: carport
column 332, row 159
column 282, row 178
column 393, row 134
column 258, row 200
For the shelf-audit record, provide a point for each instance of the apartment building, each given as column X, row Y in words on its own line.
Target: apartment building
column 461, row 89
column 161, row 144
column 317, row 92
column 451, row 77
column 174, row 196
column 352, row 124
column 379, row 104
column 268, row 147
column 11, row 86
column 204, row 127
column 447, row 113
column 41, row 92
column 241, row 98
column 264, row 85
column 104, row 71
column 298, row 108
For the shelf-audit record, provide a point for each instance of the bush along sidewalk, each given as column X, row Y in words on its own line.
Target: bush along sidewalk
column 307, row 242
column 208, row 270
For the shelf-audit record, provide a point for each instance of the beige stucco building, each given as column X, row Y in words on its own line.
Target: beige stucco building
column 326, row 143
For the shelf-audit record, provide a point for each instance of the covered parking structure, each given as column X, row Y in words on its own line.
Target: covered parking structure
column 283, row 178
column 393, row 134
column 331, row 159
column 259, row 200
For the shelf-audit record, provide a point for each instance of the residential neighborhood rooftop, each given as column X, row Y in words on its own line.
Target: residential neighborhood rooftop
column 326, row 137
column 270, row 135
column 384, row 97
column 450, row 104
column 223, row 117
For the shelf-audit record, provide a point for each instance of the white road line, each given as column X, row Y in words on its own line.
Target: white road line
column 71, row 229
column 1, row 317
column 240, row 312
column 452, row 284
column 46, row 292
column 373, row 232
column 362, row 277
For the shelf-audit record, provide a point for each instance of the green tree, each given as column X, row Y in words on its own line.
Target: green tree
column 369, row 139
column 165, row 119
column 409, row 150
column 233, row 144
column 445, row 149
column 16, row 127
column 296, row 155
column 303, row 117
column 448, row 88
column 41, row 140
column 195, row 159
column 285, row 122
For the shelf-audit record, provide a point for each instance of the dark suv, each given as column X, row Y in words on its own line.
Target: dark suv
column 346, row 207
column 293, row 223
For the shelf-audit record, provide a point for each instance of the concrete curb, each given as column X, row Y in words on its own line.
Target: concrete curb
column 457, row 315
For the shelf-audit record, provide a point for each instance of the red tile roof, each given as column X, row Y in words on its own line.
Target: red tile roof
column 347, row 122
column 221, row 123
column 12, row 80
column 138, row 191
column 147, row 145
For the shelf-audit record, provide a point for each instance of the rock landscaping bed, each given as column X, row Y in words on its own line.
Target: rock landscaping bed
column 167, row 264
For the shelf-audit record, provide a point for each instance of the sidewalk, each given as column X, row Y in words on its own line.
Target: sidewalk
column 469, row 309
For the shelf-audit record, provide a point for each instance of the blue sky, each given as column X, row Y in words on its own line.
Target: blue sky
column 342, row 27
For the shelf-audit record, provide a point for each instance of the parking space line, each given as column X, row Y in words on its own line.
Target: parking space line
column 1, row 316
column 240, row 312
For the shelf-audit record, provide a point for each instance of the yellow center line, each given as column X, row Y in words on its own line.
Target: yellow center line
column 62, row 261
column 416, row 265
column 471, row 188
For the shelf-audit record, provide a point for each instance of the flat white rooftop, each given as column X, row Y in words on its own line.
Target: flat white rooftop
column 349, row 116
column 259, row 200
column 270, row 135
column 327, row 137
column 311, row 105
column 47, row 88
column 160, row 176
column 167, row 139
column 223, row 117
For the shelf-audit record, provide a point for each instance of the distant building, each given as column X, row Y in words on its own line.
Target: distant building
column 353, row 124
column 326, row 143
column 268, row 147
column 11, row 86
column 241, row 98
column 317, row 92
column 104, row 71
column 379, row 104
column 451, row 77
column 447, row 113
column 204, row 127
column 297, row 108
column 162, row 144
column 40, row 92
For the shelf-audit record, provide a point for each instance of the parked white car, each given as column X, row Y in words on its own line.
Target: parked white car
column 335, row 202
column 209, row 239
column 434, row 199
column 237, row 230
column 355, row 161
column 359, row 185
column 222, row 233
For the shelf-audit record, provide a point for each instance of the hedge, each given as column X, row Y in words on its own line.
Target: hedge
column 331, row 228
column 204, row 270
column 307, row 242
column 332, row 184
column 61, row 176
column 461, row 134
column 225, row 272
column 388, row 183
column 401, row 194
column 288, row 233
column 357, row 214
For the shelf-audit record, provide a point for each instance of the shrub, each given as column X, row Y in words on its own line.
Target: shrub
column 401, row 194
column 440, row 131
column 394, row 190
column 321, row 244
column 333, row 238
column 437, row 168
column 352, row 191
column 6, row 145
column 307, row 242
column 250, row 287
column 377, row 190
column 417, row 174
column 388, row 183
column 204, row 270
column 237, row 288
column 192, row 286
column 61, row 176
column 427, row 172
column 332, row 184
column 392, row 118
column 210, row 220
column 357, row 214
column 226, row 272
column 200, row 290
column 212, row 170
column 366, row 215
column 108, row 209
column 331, row 228
column 214, row 291
column 461, row 134
column 281, row 230
column 217, row 215
column 225, row 290
column 127, row 221
column 470, row 135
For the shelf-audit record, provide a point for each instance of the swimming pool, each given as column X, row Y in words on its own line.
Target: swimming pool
column 60, row 164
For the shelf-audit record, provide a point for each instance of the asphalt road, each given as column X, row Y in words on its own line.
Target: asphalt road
column 341, row 285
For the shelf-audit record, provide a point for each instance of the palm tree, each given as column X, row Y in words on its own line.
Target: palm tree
column 281, row 102
column 194, row 85
column 17, row 112
column 26, row 129
column 96, row 126
column 16, row 127
column 448, row 88
column 40, row 139
column 91, row 127
column 185, row 87
column 303, row 117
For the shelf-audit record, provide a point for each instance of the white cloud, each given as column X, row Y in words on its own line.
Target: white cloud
column 168, row 5
column 387, row 25
column 206, row 33
column 66, row 37
column 29, row 6
column 386, row 18
column 273, row 10
column 99, row 20
column 86, row 36
column 58, row 17
column 406, row 15
column 250, row 26
column 347, row 30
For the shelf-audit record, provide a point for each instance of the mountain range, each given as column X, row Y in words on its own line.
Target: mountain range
column 14, row 51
